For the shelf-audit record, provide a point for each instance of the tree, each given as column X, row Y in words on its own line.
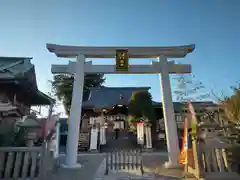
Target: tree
column 230, row 105
column 189, row 89
column 140, row 106
column 230, row 114
column 62, row 86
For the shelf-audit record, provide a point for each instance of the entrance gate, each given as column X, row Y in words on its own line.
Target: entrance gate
column 80, row 67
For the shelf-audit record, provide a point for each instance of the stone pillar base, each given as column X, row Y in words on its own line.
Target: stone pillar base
column 170, row 165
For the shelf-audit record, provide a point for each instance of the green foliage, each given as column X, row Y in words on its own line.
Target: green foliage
column 62, row 86
column 132, row 120
column 230, row 106
column 141, row 106
column 230, row 112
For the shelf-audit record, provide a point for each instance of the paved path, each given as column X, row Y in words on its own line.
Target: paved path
column 153, row 170
column 90, row 165
column 94, row 169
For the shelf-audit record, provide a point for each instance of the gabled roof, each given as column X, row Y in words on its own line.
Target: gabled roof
column 19, row 73
column 35, row 97
column 18, row 67
column 106, row 97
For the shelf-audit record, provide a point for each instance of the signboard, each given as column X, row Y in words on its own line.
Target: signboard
column 122, row 60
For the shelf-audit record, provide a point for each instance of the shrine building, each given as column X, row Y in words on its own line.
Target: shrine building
column 112, row 104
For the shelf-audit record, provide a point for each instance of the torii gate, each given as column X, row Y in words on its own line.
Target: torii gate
column 80, row 67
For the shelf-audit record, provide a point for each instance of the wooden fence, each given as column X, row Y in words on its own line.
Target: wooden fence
column 213, row 160
column 21, row 162
column 124, row 160
column 208, row 160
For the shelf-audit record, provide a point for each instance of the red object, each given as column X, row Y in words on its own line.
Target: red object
column 140, row 123
column 43, row 130
column 183, row 154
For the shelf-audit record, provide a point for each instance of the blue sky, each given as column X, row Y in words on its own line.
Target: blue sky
column 214, row 26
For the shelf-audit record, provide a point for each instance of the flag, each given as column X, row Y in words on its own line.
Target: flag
column 193, row 119
column 183, row 154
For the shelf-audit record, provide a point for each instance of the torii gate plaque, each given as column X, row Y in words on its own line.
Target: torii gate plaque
column 80, row 67
column 122, row 60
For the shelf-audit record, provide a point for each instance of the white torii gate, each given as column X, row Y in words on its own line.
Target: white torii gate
column 80, row 67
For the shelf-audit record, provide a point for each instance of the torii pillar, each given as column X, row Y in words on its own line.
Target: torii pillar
column 75, row 115
column 80, row 67
column 169, row 115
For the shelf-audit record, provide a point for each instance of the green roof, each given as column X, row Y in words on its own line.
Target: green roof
column 18, row 73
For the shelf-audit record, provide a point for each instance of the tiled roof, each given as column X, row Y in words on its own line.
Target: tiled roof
column 17, row 67
column 19, row 72
column 106, row 97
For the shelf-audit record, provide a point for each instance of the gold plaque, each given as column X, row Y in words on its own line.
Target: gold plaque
column 122, row 60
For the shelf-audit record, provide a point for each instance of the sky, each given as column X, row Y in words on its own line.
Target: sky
column 213, row 26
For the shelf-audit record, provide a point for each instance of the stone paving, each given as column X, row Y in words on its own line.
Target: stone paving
column 94, row 169
column 90, row 164
column 153, row 170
